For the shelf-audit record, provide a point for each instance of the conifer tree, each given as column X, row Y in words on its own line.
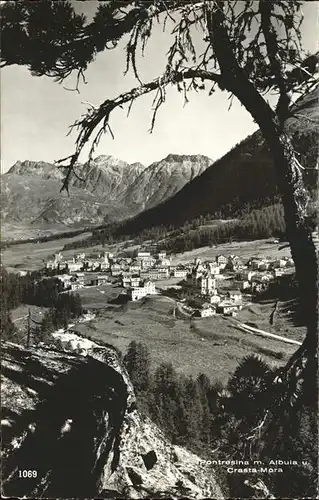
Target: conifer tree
column 137, row 363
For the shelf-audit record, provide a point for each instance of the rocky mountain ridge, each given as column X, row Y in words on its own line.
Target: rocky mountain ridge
column 111, row 189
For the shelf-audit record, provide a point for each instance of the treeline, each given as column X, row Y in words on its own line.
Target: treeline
column 66, row 307
column 181, row 406
column 258, row 224
column 205, row 416
column 33, row 289
column 255, row 223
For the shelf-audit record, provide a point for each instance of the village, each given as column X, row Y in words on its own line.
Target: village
column 222, row 285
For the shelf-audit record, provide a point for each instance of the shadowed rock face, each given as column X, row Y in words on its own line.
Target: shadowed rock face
column 66, row 425
column 72, row 418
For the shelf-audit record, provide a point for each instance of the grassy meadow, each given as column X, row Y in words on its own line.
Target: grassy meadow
column 210, row 345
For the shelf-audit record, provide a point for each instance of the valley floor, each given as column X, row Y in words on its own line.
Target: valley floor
column 33, row 256
column 213, row 346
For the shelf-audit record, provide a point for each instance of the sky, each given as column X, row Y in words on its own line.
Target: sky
column 36, row 112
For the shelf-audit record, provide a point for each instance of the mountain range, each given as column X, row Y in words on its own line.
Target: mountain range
column 112, row 189
column 171, row 191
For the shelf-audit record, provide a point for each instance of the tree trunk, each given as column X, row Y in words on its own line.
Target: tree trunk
column 294, row 194
column 296, row 384
column 295, row 198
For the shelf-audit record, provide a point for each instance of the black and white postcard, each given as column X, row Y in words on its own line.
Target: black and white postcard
column 159, row 249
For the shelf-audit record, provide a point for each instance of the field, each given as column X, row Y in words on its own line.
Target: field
column 211, row 345
column 98, row 297
column 33, row 256
column 244, row 249
column 16, row 232
column 259, row 316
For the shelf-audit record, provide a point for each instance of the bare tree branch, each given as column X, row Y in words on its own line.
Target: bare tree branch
column 95, row 115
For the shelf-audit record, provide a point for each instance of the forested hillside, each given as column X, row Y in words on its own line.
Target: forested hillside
column 244, row 177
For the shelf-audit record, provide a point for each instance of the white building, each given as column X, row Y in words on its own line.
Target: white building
column 139, row 292
column 197, row 271
column 215, row 299
column 214, row 268
column 208, row 311
column 245, row 285
column 126, row 281
column 91, row 264
column 62, row 265
column 131, row 281
column 135, row 281
column 180, row 273
column 254, row 263
column 116, row 270
column 161, row 255
column 221, row 261
column 228, row 308
column 149, row 287
column 234, row 295
column 156, row 273
column 75, row 286
column 105, row 266
column 259, row 264
column 52, row 264
column 206, row 283
column 143, row 255
column 65, row 280
column 22, row 273
column 234, row 263
column 164, row 262
column 146, row 262
column 75, row 266
column 58, row 257
column 102, row 279
column 134, row 268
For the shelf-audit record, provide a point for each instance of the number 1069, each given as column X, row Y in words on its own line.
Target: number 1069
column 28, row 473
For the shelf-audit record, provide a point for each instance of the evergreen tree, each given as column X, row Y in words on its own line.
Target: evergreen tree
column 167, row 395
column 47, row 324
column 193, row 408
column 137, row 363
column 204, row 388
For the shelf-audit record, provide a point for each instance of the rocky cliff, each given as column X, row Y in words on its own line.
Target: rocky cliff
column 70, row 415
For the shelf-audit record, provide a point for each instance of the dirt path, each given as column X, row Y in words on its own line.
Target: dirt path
column 250, row 329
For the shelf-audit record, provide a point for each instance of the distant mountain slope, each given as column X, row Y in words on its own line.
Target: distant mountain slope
column 113, row 189
column 107, row 177
column 30, row 194
column 245, row 176
column 163, row 179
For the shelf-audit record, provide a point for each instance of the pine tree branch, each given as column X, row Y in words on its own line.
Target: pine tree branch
column 88, row 39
